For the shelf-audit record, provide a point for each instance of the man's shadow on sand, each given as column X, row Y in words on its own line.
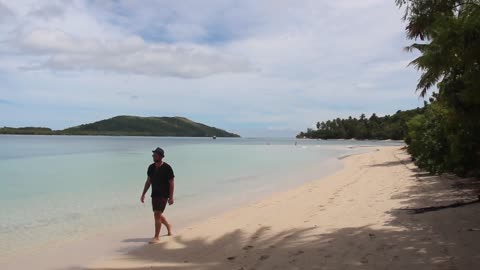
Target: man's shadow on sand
column 137, row 240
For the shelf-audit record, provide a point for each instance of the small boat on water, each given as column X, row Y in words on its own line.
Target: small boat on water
column 214, row 137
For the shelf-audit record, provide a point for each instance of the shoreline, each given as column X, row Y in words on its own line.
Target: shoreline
column 349, row 218
column 107, row 242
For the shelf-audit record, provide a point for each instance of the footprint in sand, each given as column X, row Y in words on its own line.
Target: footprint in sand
column 264, row 257
column 247, row 247
column 298, row 253
column 364, row 259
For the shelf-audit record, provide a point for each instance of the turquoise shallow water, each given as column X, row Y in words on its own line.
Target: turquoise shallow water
column 56, row 188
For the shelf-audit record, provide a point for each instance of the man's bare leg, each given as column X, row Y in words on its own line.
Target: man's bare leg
column 159, row 220
column 165, row 222
column 158, row 224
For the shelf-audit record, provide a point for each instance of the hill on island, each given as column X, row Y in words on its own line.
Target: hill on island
column 132, row 126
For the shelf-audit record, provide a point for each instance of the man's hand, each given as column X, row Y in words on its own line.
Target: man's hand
column 170, row 201
column 147, row 186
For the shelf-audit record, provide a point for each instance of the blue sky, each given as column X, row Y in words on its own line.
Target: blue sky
column 257, row 68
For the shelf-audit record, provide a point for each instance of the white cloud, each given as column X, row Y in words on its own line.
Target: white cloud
column 389, row 67
column 277, row 64
column 54, row 37
column 129, row 55
column 183, row 31
column 365, row 85
column 5, row 13
column 48, row 11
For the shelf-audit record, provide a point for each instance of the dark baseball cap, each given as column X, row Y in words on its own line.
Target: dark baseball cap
column 159, row 151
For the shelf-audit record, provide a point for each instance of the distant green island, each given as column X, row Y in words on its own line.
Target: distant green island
column 131, row 126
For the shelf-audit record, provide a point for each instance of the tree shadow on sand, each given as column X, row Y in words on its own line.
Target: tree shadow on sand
column 443, row 239
column 388, row 164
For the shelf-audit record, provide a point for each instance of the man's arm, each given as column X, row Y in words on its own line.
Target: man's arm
column 172, row 188
column 145, row 189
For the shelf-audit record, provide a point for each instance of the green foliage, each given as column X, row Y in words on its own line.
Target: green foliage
column 378, row 128
column 26, row 131
column 440, row 142
column 428, row 139
column 137, row 126
column 422, row 14
column 448, row 138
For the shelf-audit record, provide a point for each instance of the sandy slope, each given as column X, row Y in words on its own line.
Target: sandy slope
column 355, row 219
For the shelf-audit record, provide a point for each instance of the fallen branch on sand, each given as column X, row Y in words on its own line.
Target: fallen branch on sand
column 436, row 208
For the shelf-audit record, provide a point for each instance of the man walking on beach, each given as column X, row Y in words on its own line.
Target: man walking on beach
column 160, row 177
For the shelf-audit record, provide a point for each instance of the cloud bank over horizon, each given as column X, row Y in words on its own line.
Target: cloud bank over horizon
column 257, row 68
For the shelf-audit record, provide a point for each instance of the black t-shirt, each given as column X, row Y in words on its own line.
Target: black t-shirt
column 160, row 178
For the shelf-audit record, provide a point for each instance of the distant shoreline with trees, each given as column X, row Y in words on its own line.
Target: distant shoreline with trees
column 388, row 127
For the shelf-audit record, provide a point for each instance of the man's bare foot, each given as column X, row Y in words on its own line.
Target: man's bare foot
column 169, row 229
column 154, row 240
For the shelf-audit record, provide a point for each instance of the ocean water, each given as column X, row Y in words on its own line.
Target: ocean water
column 62, row 188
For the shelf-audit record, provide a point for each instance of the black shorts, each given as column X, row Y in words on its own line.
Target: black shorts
column 159, row 204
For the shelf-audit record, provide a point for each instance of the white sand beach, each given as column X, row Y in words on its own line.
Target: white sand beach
column 358, row 218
